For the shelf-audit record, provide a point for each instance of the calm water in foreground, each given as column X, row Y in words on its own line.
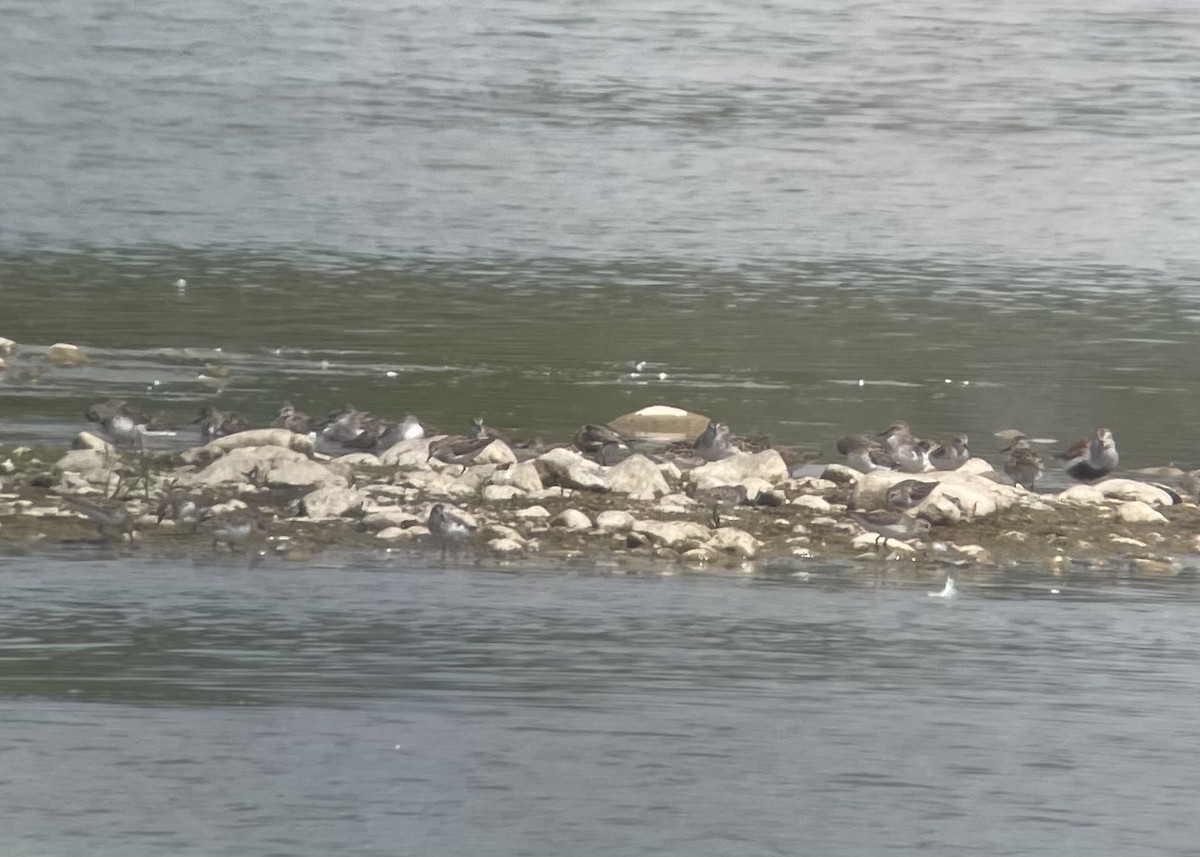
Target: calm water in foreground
column 806, row 219
column 383, row 708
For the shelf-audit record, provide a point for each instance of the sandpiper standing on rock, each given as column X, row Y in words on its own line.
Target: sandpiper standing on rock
column 713, row 443
column 1087, row 461
column 445, row 525
column 864, row 454
column 1023, row 464
column 907, row 494
column 291, row 419
column 952, row 455
column 216, row 423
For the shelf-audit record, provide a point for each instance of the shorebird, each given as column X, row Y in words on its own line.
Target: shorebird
column 216, row 423
column 952, row 455
column 897, row 435
column 485, row 432
column 346, row 425
column 602, row 444
column 864, row 454
column 123, row 423
column 111, row 519
column 914, row 457
column 907, row 494
column 1023, row 465
column 445, row 526
column 183, row 507
column 410, row 428
column 891, row 525
column 291, row 419
column 948, row 591
column 1087, row 461
column 713, row 443
column 233, row 528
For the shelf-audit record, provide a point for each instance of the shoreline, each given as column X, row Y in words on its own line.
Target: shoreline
column 745, row 512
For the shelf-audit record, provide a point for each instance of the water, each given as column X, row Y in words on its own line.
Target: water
column 387, row 708
column 806, row 221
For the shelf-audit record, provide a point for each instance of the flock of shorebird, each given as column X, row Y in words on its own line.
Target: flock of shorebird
column 350, row 428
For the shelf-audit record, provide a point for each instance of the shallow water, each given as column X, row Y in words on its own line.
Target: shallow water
column 388, row 707
column 805, row 221
column 983, row 215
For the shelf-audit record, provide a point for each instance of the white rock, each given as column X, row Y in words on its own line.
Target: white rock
column 976, row 466
column 961, row 495
column 496, row 452
column 815, row 504
column 767, row 465
column 1137, row 512
column 355, row 460
column 569, row 469
column 530, row 513
column 735, row 541
column 331, row 502
column 614, row 521
column 524, row 476
column 503, row 531
column 840, row 474
column 638, row 477
column 1080, row 495
column 428, row 482
column 273, row 466
column 87, row 440
column 810, row 485
column 871, row 541
column 269, row 437
column 571, row 519
column 406, row 454
column 670, row 533
column 66, row 355
column 505, row 546
column 1130, row 489
column 93, row 466
column 501, row 493
column 383, row 518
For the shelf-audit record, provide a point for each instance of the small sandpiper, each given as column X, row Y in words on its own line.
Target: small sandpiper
column 481, row 431
column 446, row 526
column 897, row 435
column 891, row 525
column 410, row 428
column 713, row 443
column 907, row 494
column 111, row 519
column 291, row 419
column 184, row 507
column 952, row 455
column 914, row 458
column 602, row 444
column 215, row 423
column 864, row 454
column 1023, row 464
column 1088, row 461
column 124, row 424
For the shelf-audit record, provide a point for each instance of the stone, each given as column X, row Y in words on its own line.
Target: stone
column 975, row 466
column 670, row 533
column 331, row 502
column 675, row 504
column 699, row 556
column 406, row 454
column 813, row 503
column 735, row 541
column 810, row 485
column 873, row 542
column 357, row 460
column 501, row 493
column 1079, row 495
column 503, row 531
column 638, row 477
column 840, row 474
column 660, row 424
column 524, row 476
column 267, row 437
column 66, row 355
column 383, row 518
column 571, row 519
column 615, row 521
column 531, row 513
column 7, row 347
column 569, row 469
column 270, row 466
column 87, row 440
column 961, row 495
column 496, row 452
column 427, row 482
column 1137, row 512
column 398, row 533
column 93, row 466
column 767, row 465
column 505, row 546
column 1131, row 489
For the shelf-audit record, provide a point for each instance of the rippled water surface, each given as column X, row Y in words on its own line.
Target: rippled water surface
column 804, row 219
column 387, row 708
